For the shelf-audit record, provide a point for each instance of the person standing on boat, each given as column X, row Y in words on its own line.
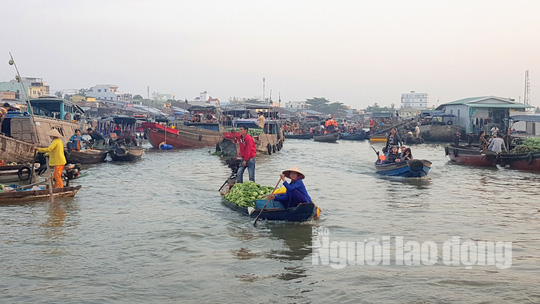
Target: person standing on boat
column 56, row 157
column 97, row 139
column 247, row 152
column 497, row 144
column 261, row 120
column 296, row 190
column 393, row 139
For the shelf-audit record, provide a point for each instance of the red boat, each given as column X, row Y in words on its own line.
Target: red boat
column 191, row 135
column 521, row 161
column 471, row 156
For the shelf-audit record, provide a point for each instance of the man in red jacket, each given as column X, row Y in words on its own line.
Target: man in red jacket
column 247, row 152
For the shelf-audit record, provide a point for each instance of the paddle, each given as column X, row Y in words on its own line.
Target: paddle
column 50, row 181
column 267, row 200
column 33, row 165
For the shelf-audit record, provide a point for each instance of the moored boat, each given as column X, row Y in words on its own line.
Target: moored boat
column 411, row 168
column 126, row 153
column 33, row 195
column 378, row 138
column 521, row 161
column 15, row 173
column 354, row 136
column 86, row 156
column 298, row 136
column 332, row 137
column 471, row 156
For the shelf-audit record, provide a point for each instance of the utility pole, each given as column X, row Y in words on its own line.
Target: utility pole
column 264, row 88
column 526, row 96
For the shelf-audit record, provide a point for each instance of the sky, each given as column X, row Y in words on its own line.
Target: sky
column 355, row 52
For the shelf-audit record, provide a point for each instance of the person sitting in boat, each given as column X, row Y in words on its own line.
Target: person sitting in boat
column 393, row 138
column 497, row 144
column 296, row 190
column 97, row 139
column 76, row 140
column 393, row 156
column 484, row 144
column 406, row 155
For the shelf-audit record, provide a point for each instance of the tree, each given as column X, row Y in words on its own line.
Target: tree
column 377, row 108
column 58, row 94
column 137, row 97
column 82, row 92
column 317, row 103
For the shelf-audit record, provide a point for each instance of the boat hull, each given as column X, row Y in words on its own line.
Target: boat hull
column 301, row 213
column 326, row 137
column 378, row 138
column 34, row 195
column 299, row 136
column 88, row 156
column 128, row 154
column 471, row 156
column 349, row 136
column 412, row 168
column 13, row 150
column 183, row 137
column 521, row 161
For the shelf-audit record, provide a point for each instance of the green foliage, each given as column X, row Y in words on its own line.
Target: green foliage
column 245, row 194
column 530, row 144
column 377, row 108
column 323, row 105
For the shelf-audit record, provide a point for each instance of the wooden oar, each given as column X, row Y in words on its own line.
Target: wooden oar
column 267, row 200
column 33, row 165
column 50, row 181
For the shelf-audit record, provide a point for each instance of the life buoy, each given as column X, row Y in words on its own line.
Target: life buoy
column 269, row 149
column 274, row 149
column 120, row 151
column 456, row 152
column 24, row 173
column 530, row 158
column 279, row 146
column 200, row 137
column 446, row 150
column 449, row 123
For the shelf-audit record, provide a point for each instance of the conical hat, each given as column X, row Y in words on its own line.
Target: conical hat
column 295, row 169
column 54, row 133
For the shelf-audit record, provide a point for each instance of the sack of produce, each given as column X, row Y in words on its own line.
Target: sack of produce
column 245, row 194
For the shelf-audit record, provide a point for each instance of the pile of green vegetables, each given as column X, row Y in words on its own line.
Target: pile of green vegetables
column 245, row 194
column 530, row 144
column 251, row 131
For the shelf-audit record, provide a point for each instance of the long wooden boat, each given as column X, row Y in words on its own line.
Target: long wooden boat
column 299, row 136
column 378, row 138
column 15, row 173
column 332, row 137
column 354, row 136
column 33, row 195
column 301, row 213
column 126, row 153
column 521, row 161
column 14, row 150
column 411, row 168
column 471, row 156
column 196, row 135
column 87, row 156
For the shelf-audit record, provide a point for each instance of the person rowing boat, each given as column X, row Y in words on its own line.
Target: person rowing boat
column 296, row 190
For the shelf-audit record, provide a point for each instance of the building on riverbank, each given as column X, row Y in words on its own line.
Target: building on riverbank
column 477, row 114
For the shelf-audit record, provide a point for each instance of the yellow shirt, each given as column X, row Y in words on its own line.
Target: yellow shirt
column 56, row 155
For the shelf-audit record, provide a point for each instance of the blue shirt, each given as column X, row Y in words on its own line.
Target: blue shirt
column 296, row 194
column 74, row 140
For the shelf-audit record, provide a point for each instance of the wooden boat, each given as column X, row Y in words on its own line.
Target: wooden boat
column 301, row 213
column 411, row 168
column 33, row 195
column 15, row 173
column 269, row 140
column 126, row 153
column 332, row 137
column 378, row 138
column 299, row 136
column 354, row 136
column 521, row 161
column 184, row 136
column 87, row 156
column 471, row 156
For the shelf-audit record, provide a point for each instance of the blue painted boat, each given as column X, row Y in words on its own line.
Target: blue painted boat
column 301, row 213
column 354, row 136
column 411, row 168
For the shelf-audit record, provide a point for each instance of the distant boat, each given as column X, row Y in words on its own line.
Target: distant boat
column 331, row 137
column 354, row 136
column 299, row 136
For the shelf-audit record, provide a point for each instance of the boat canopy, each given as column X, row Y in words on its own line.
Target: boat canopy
column 527, row 118
column 55, row 107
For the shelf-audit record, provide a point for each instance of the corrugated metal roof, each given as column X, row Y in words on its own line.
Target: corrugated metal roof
column 477, row 102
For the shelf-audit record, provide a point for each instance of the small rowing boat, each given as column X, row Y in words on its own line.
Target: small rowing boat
column 411, row 168
column 471, row 156
column 298, row 136
column 34, row 195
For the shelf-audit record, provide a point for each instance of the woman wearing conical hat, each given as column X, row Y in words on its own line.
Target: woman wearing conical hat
column 296, row 190
column 56, row 156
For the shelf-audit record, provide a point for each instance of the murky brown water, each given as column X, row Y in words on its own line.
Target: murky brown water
column 156, row 232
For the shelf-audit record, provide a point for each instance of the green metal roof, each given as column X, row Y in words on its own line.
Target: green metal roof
column 476, row 102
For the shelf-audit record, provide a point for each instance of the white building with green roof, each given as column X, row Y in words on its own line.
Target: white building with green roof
column 477, row 114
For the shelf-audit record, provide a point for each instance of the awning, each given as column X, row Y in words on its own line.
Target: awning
column 530, row 118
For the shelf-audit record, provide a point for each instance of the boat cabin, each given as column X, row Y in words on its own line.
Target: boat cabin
column 117, row 126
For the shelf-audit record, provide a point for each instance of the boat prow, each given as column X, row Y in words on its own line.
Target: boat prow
column 36, row 195
column 411, row 168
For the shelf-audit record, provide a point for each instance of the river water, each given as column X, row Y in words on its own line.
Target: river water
column 155, row 231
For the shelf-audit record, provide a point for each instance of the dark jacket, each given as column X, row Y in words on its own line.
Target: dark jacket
column 393, row 141
column 391, row 158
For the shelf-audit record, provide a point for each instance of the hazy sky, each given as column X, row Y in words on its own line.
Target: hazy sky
column 356, row 52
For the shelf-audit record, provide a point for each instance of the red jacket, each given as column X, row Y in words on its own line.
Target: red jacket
column 247, row 148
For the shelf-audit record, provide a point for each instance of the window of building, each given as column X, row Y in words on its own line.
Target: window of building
column 104, row 90
column 99, row 90
column 458, row 112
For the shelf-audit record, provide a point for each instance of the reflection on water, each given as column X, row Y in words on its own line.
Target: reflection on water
column 156, row 231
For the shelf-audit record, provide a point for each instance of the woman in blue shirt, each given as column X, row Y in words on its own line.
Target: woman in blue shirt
column 76, row 140
column 296, row 190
